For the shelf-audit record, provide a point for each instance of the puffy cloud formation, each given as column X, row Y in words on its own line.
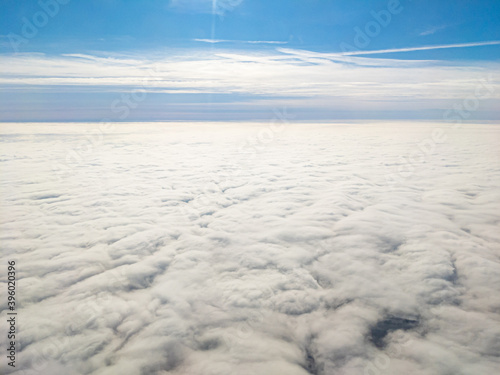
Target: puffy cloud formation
column 220, row 249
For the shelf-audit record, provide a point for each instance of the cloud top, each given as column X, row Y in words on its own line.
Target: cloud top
column 182, row 249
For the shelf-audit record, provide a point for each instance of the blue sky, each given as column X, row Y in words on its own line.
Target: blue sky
column 61, row 58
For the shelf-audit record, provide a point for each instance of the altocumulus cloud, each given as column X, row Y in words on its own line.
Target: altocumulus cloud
column 170, row 249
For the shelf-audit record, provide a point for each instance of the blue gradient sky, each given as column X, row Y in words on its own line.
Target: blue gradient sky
column 238, row 44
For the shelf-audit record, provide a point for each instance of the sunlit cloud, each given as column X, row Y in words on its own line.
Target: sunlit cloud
column 286, row 71
column 180, row 249
column 306, row 79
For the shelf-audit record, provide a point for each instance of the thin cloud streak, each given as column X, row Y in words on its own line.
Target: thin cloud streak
column 433, row 30
column 424, row 48
column 213, row 41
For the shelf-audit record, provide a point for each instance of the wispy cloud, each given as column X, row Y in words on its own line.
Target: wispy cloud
column 283, row 77
column 423, row 48
column 433, row 30
column 265, row 42
column 214, row 41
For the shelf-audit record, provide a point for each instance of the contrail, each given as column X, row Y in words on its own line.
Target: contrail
column 424, row 48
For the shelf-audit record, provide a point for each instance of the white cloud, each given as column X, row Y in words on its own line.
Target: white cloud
column 214, row 41
column 169, row 248
column 424, row 48
column 323, row 80
column 433, row 30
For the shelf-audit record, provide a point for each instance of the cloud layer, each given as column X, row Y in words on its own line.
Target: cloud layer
column 309, row 82
column 252, row 248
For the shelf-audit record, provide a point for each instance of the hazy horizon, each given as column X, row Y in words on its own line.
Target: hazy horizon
column 237, row 60
column 250, row 187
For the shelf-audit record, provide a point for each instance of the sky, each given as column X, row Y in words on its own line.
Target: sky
column 200, row 60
